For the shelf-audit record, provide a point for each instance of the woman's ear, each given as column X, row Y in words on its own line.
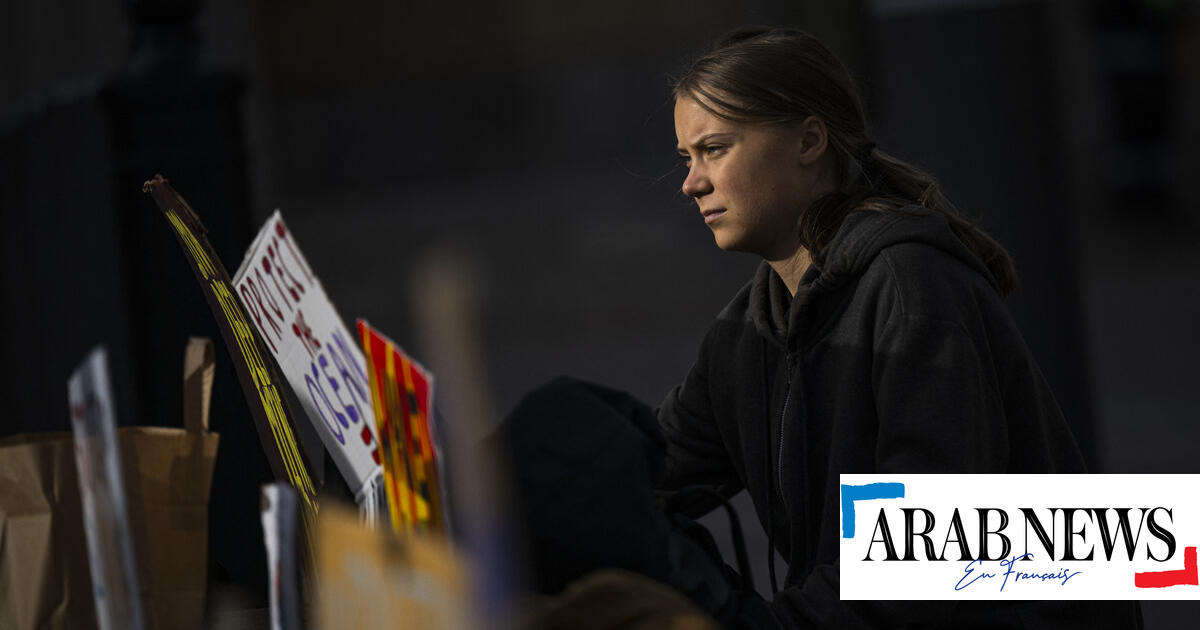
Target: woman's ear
column 813, row 139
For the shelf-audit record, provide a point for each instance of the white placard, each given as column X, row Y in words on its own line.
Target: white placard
column 320, row 358
column 279, row 538
column 1000, row 537
column 102, row 489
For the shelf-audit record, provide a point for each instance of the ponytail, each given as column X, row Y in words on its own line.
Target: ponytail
column 878, row 182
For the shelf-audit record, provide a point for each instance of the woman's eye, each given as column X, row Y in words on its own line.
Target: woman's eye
column 712, row 150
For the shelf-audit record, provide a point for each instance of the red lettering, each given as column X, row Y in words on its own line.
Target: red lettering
column 254, row 304
column 267, row 293
column 280, row 235
column 304, row 333
column 281, row 272
column 269, row 268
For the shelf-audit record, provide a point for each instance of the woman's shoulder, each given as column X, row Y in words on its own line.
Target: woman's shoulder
column 925, row 280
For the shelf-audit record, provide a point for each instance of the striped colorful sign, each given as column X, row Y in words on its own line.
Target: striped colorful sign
column 402, row 394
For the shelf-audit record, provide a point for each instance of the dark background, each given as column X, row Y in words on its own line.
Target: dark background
column 515, row 161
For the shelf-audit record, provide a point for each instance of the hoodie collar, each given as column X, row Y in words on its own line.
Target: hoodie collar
column 861, row 237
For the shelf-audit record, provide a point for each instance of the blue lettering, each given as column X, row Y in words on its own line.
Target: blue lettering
column 1008, row 568
column 337, row 414
column 353, row 413
column 970, row 577
column 356, row 380
column 967, row 571
column 333, row 428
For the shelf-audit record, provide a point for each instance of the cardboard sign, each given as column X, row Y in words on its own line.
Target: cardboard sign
column 256, row 373
column 106, row 521
column 402, row 394
column 315, row 351
column 369, row 580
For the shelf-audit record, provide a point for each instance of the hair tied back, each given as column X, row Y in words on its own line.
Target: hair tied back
column 864, row 153
column 870, row 168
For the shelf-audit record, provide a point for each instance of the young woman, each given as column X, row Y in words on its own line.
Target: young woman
column 872, row 339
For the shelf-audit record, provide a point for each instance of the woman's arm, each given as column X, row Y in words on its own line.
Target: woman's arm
column 696, row 453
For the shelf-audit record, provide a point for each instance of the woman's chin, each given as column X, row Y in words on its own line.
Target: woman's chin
column 725, row 240
column 728, row 243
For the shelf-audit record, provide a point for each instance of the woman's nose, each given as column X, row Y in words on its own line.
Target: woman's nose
column 696, row 184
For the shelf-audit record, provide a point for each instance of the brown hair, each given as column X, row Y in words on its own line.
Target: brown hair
column 781, row 76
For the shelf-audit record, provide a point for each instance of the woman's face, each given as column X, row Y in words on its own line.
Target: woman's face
column 751, row 182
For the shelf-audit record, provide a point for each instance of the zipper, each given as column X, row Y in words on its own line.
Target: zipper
column 783, row 416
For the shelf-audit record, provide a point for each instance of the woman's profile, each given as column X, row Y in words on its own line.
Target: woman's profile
column 873, row 338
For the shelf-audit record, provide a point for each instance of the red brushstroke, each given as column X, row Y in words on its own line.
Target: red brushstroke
column 1187, row 576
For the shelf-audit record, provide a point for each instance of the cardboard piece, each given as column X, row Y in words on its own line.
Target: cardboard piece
column 259, row 379
column 44, row 574
column 371, row 579
column 316, row 353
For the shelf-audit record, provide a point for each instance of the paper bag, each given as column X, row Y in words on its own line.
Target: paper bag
column 44, row 576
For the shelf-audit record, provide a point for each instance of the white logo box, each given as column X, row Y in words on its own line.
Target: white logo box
column 1158, row 509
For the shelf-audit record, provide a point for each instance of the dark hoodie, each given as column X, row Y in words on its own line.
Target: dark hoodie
column 897, row 355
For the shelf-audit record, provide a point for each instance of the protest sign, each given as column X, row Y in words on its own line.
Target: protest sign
column 315, row 352
column 402, row 395
column 259, row 380
column 106, row 521
column 366, row 579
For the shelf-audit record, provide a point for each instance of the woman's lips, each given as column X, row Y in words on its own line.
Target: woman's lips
column 712, row 215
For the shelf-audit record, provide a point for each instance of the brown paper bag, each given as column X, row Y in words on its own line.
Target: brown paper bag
column 44, row 578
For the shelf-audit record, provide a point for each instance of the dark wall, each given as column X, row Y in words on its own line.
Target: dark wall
column 531, row 144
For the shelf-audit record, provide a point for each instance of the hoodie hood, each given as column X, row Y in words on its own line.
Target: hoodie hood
column 859, row 239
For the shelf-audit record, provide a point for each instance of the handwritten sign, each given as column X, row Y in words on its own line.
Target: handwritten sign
column 258, row 378
column 315, row 351
column 402, row 394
